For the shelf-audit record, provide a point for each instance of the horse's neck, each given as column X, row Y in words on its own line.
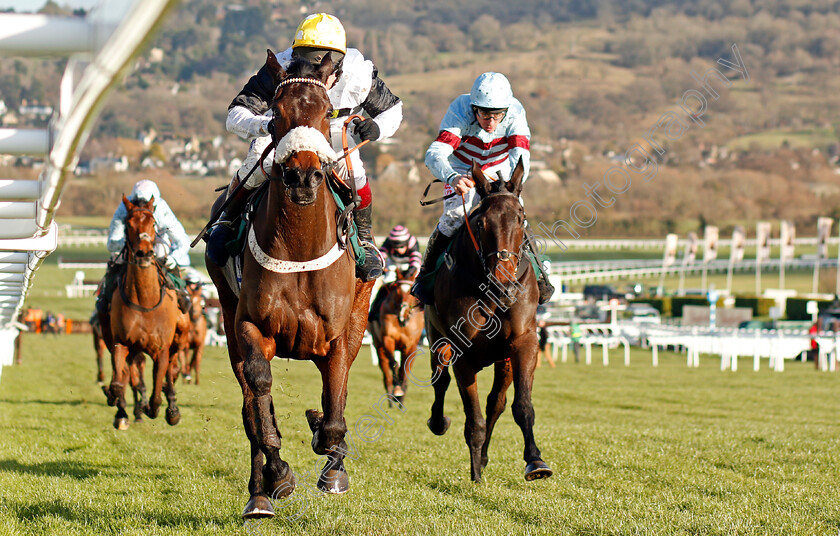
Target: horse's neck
column 306, row 231
column 142, row 285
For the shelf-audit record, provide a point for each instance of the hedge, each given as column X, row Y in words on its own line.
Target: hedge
column 760, row 306
column 796, row 308
column 678, row 302
column 663, row 304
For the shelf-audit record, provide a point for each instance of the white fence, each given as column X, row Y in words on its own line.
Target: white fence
column 101, row 48
column 729, row 344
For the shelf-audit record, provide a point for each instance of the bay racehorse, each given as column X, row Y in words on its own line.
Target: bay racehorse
column 190, row 366
column 299, row 296
column 144, row 319
column 396, row 326
column 484, row 313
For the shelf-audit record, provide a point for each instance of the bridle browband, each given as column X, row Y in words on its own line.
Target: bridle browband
column 302, row 80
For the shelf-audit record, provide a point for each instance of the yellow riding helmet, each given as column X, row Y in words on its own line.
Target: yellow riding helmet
column 321, row 30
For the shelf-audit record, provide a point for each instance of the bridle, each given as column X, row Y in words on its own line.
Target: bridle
column 503, row 255
column 144, row 262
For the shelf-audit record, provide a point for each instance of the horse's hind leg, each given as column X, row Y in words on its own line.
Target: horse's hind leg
column 135, row 370
column 523, row 366
column 475, row 427
column 159, row 371
column 496, row 402
column 116, row 391
column 195, row 365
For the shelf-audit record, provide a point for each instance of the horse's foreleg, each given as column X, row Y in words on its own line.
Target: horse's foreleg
column 523, row 362
column 173, row 414
column 99, row 348
column 496, row 402
column 385, row 366
column 116, row 391
column 475, row 428
column 277, row 476
column 328, row 437
column 159, row 371
column 195, row 365
column 137, row 386
column 439, row 423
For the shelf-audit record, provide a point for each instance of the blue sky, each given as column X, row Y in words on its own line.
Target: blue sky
column 35, row 5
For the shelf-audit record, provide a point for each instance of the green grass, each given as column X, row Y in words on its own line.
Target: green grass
column 773, row 139
column 635, row 450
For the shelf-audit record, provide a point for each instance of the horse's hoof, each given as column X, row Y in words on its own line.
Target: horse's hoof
column 314, row 418
column 258, row 507
column 279, row 489
column 398, row 392
column 187, row 378
column 100, row 383
column 537, row 469
column 335, row 481
column 173, row 417
column 150, row 413
column 439, row 429
column 121, row 423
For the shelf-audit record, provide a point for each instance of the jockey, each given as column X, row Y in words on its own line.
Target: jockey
column 355, row 86
column 400, row 249
column 487, row 125
column 172, row 245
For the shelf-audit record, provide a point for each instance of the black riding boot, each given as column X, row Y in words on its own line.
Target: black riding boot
column 373, row 264
column 438, row 242
column 106, row 288
column 545, row 287
column 222, row 232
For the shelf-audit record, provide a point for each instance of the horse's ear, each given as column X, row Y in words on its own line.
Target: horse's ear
column 151, row 203
column 127, row 203
column 325, row 69
column 482, row 186
column 514, row 185
column 277, row 72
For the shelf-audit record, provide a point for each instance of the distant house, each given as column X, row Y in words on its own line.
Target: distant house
column 102, row 164
column 39, row 111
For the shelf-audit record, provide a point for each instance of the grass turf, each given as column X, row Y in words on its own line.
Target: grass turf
column 635, row 450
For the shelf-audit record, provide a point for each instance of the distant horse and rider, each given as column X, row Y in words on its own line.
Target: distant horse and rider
column 396, row 325
column 191, row 365
column 144, row 317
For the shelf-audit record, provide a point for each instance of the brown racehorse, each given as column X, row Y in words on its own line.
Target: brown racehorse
column 485, row 314
column 318, row 315
column 144, row 318
column 195, row 340
column 398, row 326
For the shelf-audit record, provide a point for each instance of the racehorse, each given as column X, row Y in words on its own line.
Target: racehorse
column 144, row 318
column 197, row 334
column 99, row 347
column 397, row 325
column 299, row 296
column 484, row 313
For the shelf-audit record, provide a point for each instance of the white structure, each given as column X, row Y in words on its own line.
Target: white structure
column 101, row 48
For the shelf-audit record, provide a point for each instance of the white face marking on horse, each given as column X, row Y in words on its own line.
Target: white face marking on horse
column 405, row 287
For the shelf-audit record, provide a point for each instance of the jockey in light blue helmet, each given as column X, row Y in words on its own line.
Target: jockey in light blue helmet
column 492, row 92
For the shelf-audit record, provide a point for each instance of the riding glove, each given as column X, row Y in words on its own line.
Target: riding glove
column 170, row 263
column 366, row 129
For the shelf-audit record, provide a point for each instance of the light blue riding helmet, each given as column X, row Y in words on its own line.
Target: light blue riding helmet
column 491, row 91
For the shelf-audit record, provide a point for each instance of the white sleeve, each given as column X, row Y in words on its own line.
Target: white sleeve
column 389, row 121
column 116, row 231
column 245, row 124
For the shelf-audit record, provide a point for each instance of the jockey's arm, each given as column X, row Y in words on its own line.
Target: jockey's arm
column 247, row 113
column 519, row 136
column 383, row 107
column 448, row 139
column 116, row 231
column 179, row 242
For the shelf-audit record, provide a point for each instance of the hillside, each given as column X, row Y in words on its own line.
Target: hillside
column 594, row 78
